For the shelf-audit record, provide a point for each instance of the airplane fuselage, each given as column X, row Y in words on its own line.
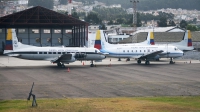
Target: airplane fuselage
column 49, row 53
column 135, row 51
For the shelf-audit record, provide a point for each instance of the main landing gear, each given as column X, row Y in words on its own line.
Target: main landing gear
column 171, row 61
column 128, row 59
column 92, row 65
column 59, row 64
column 139, row 61
column 146, row 62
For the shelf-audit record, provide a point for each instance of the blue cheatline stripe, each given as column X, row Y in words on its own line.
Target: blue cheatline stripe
column 97, row 41
column 8, row 42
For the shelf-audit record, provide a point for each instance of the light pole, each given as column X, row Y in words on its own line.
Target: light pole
column 134, row 15
column 134, row 11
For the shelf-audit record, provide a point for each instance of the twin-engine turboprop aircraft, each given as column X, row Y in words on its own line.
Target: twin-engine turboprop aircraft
column 138, row 51
column 59, row 55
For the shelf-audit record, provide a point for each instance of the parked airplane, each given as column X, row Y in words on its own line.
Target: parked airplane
column 141, row 52
column 185, row 44
column 59, row 55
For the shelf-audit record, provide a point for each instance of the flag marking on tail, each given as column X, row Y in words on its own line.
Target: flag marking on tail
column 152, row 38
column 189, row 39
column 9, row 43
column 98, row 40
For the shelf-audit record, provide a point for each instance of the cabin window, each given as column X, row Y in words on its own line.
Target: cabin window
column 54, row 52
column 140, row 50
column 47, row 31
column 57, row 31
column 59, row 52
column 35, row 31
column 49, row 52
column 148, row 50
column 40, row 52
column 63, row 52
column 144, row 50
column 123, row 50
column 135, row 50
column 68, row 31
column 132, row 50
column 127, row 50
column 45, row 52
column 1, row 30
column 21, row 30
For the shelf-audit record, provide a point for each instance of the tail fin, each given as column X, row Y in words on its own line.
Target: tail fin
column 11, row 41
column 150, row 39
column 186, row 42
column 189, row 38
column 97, row 43
column 100, row 41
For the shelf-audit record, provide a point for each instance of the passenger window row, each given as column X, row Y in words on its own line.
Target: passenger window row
column 136, row 50
column 51, row 52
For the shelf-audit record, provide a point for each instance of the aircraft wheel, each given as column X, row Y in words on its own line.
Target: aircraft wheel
column 92, row 65
column 147, row 62
column 171, row 62
column 139, row 61
column 59, row 64
column 63, row 66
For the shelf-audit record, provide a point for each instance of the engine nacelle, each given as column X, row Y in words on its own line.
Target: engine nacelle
column 157, row 57
column 80, row 55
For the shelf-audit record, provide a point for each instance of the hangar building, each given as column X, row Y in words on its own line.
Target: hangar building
column 39, row 26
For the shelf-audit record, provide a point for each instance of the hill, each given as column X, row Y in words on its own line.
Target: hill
column 153, row 4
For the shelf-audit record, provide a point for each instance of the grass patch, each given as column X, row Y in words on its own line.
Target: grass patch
column 137, row 104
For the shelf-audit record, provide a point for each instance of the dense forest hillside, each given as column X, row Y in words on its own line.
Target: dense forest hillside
column 153, row 4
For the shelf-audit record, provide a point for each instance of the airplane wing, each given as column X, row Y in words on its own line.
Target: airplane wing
column 150, row 54
column 64, row 57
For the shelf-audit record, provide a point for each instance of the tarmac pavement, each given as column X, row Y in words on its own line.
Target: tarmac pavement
column 109, row 78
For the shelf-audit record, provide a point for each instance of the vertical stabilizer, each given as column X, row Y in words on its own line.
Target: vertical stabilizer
column 100, row 41
column 97, row 43
column 186, row 43
column 189, row 38
column 152, row 38
column 11, row 41
column 149, row 40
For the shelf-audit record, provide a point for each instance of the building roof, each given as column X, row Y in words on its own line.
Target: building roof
column 39, row 17
column 161, row 37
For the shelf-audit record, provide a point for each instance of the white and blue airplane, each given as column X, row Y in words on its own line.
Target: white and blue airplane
column 185, row 44
column 138, row 51
column 60, row 55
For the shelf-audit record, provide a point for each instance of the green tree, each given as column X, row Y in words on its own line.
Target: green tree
column 93, row 18
column 172, row 23
column 44, row 3
column 110, row 22
column 162, row 22
column 183, row 24
column 192, row 28
column 75, row 15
